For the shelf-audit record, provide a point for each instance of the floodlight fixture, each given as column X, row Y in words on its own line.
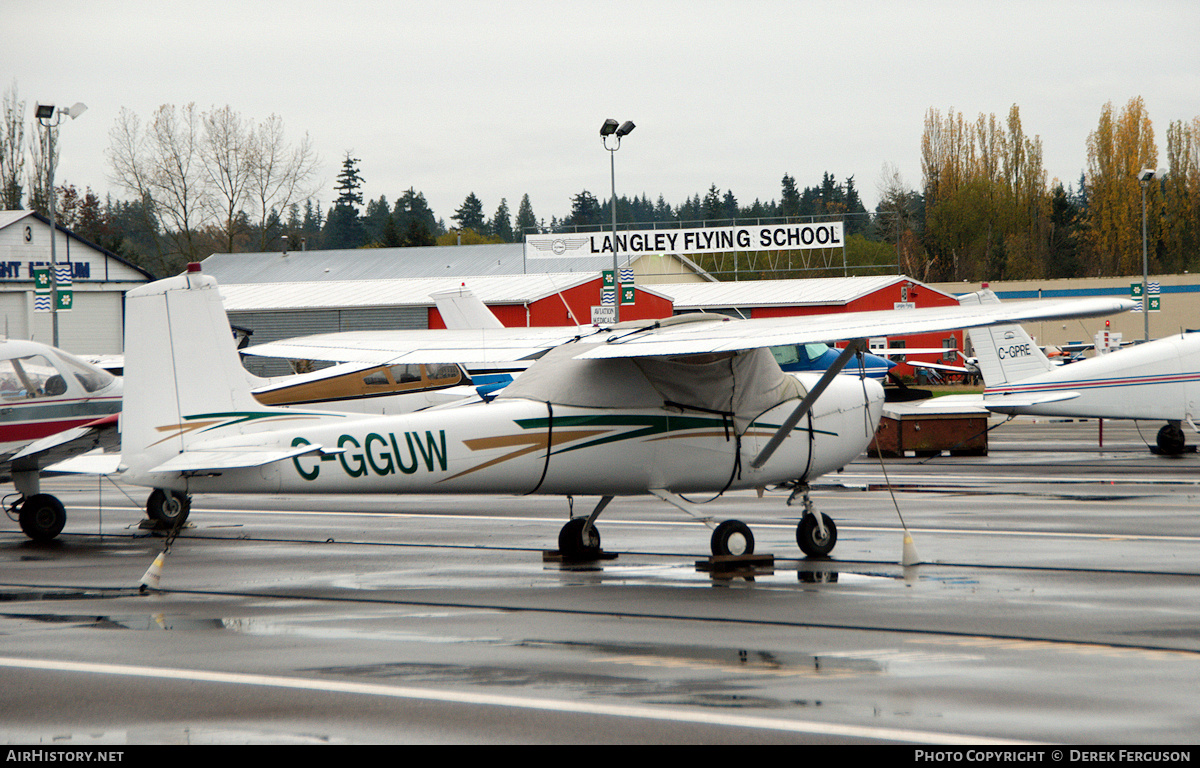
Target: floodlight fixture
column 1145, row 176
column 46, row 113
column 617, row 130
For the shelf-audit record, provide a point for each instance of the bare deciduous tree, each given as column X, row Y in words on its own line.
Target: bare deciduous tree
column 207, row 175
column 281, row 174
column 12, row 149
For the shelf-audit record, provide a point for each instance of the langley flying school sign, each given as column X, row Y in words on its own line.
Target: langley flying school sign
column 757, row 237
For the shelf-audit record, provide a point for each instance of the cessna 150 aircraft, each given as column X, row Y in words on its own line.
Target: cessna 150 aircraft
column 1158, row 380
column 51, row 404
column 663, row 407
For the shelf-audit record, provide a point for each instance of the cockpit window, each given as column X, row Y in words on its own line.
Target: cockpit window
column 91, row 377
column 24, row 378
column 793, row 354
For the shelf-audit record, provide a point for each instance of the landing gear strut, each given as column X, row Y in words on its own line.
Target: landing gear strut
column 815, row 533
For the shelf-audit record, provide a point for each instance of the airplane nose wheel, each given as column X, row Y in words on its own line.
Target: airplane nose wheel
column 579, row 541
column 732, row 537
column 809, row 536
column 1171, row 440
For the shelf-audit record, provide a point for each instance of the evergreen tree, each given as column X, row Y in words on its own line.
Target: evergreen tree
column 526, row 222
column 470, row 215
column 789, row 202
column 390, row 237
column 1065, row 235
column 343, row 228
column 712, row 209
column 349, row 182
column 502, row 222
column 585, row 211
column 729, row 205
column 414, row 220
column 375, row 219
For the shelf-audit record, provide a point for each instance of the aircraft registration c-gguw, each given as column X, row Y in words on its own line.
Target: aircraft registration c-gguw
column 694, row 404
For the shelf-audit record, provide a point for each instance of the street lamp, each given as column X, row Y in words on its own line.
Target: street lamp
column 1145, row 176
column 45, row 113
column 611, row 128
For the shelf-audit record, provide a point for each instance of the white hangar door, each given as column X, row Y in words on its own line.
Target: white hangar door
column 13, row 315
column 94, row 326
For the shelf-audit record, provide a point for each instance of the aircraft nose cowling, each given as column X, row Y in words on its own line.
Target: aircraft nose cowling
column 837, row 429
column 846, row 417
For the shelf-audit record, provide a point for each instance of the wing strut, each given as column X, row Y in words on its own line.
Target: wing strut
column 855, row 347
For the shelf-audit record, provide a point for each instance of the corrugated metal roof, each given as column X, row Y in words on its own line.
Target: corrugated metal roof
column 491, row 289
column 391, row 263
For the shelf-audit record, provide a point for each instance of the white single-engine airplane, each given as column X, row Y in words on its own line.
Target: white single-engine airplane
column 51, row 405
column 686, row 405
column 1158, row 380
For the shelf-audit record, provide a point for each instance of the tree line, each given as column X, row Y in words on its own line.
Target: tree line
column 201, row 182
column 987, row 212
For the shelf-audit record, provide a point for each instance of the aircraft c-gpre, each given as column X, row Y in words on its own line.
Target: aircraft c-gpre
column 1158, row 380
column 682, row 405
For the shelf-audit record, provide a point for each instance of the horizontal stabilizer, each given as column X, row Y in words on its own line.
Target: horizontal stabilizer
column 91, row 463
column 233, row 458
column 1010, row 403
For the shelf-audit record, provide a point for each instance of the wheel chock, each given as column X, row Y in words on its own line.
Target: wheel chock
column 153, row 573
column 556, row 556
column 737, row 565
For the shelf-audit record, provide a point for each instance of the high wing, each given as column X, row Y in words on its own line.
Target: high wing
column 679, row 335
column 478, row 347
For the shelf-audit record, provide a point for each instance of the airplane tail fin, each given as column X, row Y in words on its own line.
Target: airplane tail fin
column 462, row 310
column 1006, row 353
column 181, row 368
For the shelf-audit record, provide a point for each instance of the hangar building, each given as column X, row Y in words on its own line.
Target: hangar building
column 99, row 280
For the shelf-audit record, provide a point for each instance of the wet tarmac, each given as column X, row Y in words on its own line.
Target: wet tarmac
column 1055, row 599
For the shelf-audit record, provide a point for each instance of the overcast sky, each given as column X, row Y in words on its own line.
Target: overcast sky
column 506, row 98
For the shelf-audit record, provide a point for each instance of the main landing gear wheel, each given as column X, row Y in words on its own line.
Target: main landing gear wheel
column 732, row 537
column 809, row 537
column 1171, row 440
column 42, row 517
column 168, row 508
column 574, row 544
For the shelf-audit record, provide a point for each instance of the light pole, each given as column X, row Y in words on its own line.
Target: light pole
column 1146, row 176
column 610, row 128
column 45, row 113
